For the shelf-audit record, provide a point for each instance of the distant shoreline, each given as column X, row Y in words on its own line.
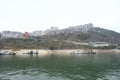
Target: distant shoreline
column 59, row 52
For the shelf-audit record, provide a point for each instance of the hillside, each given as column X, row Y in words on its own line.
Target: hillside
column 95, row 34
column 69, row 38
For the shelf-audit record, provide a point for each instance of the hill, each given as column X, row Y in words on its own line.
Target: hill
column 94, row 34
column 70, row 38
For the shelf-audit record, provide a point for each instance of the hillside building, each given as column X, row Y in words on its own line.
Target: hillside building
column 11, row 34
column 26, row 34
column 37, row 33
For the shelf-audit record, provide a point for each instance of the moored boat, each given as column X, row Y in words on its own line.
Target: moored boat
column 7, row 53
column 31, row 52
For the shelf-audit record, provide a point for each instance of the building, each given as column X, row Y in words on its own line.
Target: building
column 26, row 34
column 11, row 34
column 37, row 33
column 52, row 31
column 54, row 28
column 79, row 28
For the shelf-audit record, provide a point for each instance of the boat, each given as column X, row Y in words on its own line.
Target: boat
column 12, row 53
column 7, row 53
column 83, row 52
column 31, row 53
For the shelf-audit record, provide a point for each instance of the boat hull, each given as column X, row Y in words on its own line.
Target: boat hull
column 8, row 53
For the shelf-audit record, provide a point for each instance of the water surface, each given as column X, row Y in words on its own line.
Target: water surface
column 105, row 66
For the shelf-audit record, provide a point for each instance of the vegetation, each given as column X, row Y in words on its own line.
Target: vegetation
column 34, row 44
column 58, row 41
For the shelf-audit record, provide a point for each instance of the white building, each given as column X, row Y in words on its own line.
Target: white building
column 52, row 31
column 80, row 28
column 11, row 34
column 37, row 33
column 54, row 28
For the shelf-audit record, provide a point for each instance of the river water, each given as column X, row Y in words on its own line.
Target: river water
column 105, row 66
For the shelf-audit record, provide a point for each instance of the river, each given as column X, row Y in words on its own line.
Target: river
column 104, row 66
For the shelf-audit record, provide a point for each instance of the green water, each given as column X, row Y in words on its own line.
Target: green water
column 53, row 67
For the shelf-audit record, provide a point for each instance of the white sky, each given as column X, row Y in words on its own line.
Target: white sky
column 30, row 15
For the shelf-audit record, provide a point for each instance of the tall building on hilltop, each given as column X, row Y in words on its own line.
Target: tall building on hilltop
column 52, row 31
column 53, row 28
column 79, row 28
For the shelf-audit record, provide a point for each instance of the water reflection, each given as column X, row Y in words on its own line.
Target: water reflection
column 53, row 67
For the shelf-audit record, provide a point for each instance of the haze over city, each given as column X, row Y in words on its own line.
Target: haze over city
column 31, row 15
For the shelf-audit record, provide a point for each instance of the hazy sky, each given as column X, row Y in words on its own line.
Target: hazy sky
column 30, row 15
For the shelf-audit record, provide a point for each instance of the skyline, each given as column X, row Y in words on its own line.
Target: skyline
column 52, row 27
column 32, row 15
